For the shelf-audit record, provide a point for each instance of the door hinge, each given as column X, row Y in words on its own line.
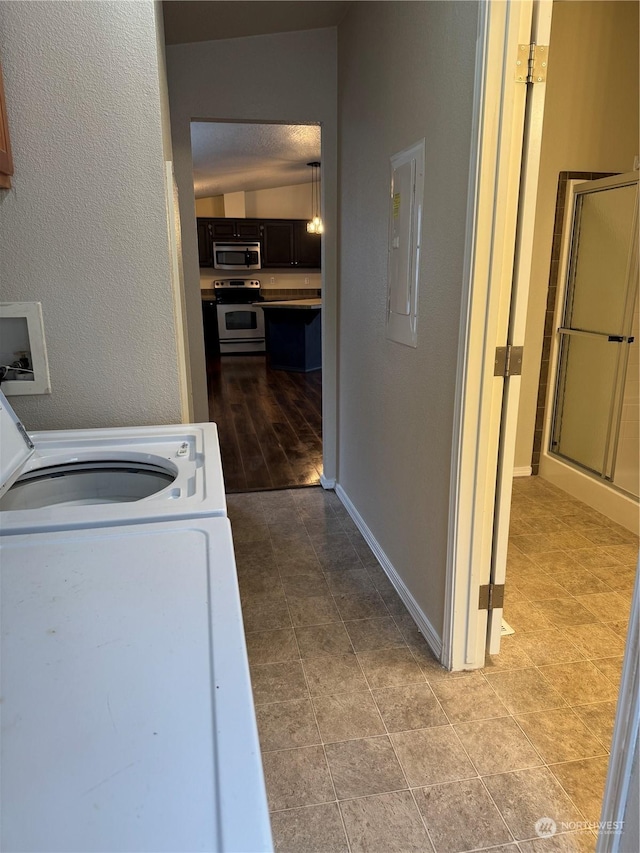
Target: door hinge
column 532, row 63
column 491, row 596
column 508, row 361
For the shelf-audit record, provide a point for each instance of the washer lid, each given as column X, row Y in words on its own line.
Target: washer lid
column 15, row 447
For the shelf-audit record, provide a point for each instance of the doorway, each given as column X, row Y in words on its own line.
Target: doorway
column 253, row 185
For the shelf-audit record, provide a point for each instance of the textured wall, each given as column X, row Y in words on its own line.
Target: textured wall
column 590, row 125
column 288, row 77
column 405, row 70
column 84, row 229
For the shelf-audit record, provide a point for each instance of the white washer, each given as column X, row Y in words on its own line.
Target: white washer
column 127, row 715
column 90, row 477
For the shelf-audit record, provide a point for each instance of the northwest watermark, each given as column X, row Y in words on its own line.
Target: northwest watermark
column 545, row 827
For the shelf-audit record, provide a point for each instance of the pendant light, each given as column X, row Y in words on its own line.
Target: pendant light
column 315, row 225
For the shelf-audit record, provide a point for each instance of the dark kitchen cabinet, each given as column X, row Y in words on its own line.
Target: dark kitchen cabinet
column 278, row 243
column 236, row 229
column 287, row 243
column 284, row 242
column 205, row 242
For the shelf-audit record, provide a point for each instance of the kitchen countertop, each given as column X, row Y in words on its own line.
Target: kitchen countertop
column 292, row 303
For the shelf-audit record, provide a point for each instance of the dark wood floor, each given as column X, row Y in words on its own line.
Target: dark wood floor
column 269, row 423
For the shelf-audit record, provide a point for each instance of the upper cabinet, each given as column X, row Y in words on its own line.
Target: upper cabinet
column 236, row 229
column 6, row 161
column 284, row 242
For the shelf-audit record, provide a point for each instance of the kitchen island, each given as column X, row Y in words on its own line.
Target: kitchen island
column 294, row 334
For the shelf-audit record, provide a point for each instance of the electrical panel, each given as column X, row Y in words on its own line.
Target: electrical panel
column 405, row 223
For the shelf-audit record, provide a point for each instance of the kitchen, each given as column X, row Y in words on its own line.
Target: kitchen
column 257, row 194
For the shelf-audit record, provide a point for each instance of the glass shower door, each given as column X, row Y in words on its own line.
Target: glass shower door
column 596, row 331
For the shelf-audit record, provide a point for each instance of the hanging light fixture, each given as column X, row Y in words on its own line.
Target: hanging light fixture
column 315, row 225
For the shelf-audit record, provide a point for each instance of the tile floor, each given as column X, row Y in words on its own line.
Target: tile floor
column 369, row 745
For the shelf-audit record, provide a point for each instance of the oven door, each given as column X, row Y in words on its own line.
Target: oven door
column 241, row 328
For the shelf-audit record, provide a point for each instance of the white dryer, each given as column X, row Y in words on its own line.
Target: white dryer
column 93, row 477
column 127, row 715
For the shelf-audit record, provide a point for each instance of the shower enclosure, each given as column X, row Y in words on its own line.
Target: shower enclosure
column 594, row 407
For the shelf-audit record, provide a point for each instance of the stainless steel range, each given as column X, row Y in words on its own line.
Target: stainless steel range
column 240, row 323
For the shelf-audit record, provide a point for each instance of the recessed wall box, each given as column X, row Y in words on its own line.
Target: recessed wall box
column 23, row 349
column 405, row 222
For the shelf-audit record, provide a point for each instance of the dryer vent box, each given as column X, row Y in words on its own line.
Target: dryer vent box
column 23, row 351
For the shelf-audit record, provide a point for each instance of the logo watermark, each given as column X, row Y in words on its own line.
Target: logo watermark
column 545, row 827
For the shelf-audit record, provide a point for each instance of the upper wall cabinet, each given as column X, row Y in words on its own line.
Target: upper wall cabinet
column 285, row 242
column 6, row 161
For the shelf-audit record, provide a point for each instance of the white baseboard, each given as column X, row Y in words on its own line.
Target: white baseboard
column 327, row 483
column 524, row 471
column 434, row 641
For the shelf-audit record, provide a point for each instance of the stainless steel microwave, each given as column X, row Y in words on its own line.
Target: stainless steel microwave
column 236, row 256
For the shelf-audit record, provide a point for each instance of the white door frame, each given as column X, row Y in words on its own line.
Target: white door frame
column 500, row 193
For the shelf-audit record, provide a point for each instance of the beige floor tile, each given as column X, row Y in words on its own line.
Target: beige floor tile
column 594, row 640
column 430, row 756
column 386, row 822
column 363, row 767
column 512, row 656
column 315, row 610
column 556, row 561
column 579, row 683
column 432, row 668
column 344, row 716
column 390, row 667
column 317, row 640
column 551, row 646
column 596, row 556
column 611, row 667
column 361, row 606
column 523, row 617
column 351, row 582
column 599, row 717
column 278, row 682
column 565, row 611
column 408, row 628
column 540, row 589
column 497, row 746
column 302, row 586
column 284, row 725
column 584, row 783
column 411, row 707
column 255, row 583
column 615, row 577
column 525, row 796
column 560, row 735
column 303, row 565
column 606, row 606
column 627, row 555
column 336, row 553
column 524, row 690
column 369, row 634
column 608, row 535
column 461, row 816
column 297, row 777
column 466, row 699
column 269, row 618
column 314, row 829
column 579, row 581
column 334, row 674
column 620, row 628
column 566, row 842
column 272, row 646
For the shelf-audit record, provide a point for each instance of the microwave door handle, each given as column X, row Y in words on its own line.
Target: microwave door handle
column 247, row 257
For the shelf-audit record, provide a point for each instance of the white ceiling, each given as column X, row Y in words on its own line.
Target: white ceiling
column 229, row 157
column 205, row 20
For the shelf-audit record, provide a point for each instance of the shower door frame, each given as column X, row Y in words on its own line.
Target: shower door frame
column 595, row 490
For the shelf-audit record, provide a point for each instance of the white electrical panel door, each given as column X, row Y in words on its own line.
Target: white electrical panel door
column 405, row 220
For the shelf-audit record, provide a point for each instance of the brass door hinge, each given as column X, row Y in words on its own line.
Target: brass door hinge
column 508, row 361
column 491, row 596
column 532, row 63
